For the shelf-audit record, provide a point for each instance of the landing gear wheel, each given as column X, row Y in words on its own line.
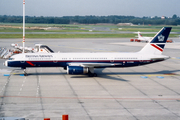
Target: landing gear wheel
column 91, row 72
column 25, row 74
column 92, row 75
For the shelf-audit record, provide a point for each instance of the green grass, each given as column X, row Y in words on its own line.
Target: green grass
column 145, row 28
column 82, row 28
column 41, row 30
column 78, row 28
column 3, row 29
column 76, row 35
column 41, row 25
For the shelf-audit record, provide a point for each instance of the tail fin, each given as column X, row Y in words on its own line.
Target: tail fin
column 139, row 34
column 157, row 44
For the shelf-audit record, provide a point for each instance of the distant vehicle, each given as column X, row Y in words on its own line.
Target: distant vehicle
column 145, row 39
column 85, row 63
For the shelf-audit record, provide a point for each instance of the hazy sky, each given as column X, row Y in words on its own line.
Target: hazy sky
column 60, row 8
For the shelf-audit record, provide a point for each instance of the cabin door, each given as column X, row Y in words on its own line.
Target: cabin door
column 55, row 61
column 112, row 59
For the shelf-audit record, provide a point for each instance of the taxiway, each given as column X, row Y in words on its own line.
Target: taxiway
column 148, row 92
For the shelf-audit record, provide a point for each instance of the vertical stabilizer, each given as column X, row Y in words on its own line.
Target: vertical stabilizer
column 139, row 34
column 157, row 44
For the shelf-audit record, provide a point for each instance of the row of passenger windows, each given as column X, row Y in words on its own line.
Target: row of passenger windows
column 84, row 58
column 125, row 58
column 98, row 58
column 39, row 58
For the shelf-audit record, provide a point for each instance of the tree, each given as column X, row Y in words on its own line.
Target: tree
column 174, row 16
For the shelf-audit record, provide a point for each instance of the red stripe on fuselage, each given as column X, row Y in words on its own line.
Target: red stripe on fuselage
column 157, row 47
column 30, row 63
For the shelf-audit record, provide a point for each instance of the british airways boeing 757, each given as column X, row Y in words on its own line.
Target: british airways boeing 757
column 84, row 63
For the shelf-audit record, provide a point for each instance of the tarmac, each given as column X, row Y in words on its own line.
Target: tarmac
column 150, row 92
column 104, row 32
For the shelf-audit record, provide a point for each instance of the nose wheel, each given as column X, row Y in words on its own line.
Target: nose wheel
column 25, row 73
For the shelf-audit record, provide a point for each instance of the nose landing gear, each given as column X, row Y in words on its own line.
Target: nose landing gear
column 25, row 73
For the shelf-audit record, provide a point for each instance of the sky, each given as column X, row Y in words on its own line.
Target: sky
column 59, row 8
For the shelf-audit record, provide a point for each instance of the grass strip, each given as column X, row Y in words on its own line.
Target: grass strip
column 76, row 35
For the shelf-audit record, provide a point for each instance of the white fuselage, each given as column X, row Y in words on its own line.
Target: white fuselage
column 82, row 59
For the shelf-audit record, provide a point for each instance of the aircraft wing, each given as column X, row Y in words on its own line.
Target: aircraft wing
column 93, row 64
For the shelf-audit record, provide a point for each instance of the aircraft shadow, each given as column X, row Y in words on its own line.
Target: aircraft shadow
column 102, row 76
column 106, row 75
column 163, row 72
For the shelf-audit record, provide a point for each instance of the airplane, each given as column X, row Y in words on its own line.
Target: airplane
column 85, row 63
column 141, row 38
column 145, row 39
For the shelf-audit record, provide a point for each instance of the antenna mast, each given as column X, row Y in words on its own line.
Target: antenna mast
column 23, row 25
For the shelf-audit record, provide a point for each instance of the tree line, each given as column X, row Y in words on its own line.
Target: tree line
column 113, row 19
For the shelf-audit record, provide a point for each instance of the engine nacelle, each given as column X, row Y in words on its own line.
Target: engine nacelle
column 77, row 70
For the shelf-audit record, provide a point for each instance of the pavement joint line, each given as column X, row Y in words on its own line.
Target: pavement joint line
column 4, row 89
column 75, row 94
column 39, row 93
column 102, row 86
column 165, row 74
column 95, row 98
column 160, row 104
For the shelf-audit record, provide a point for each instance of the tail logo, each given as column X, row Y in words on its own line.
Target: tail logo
column 161, row 38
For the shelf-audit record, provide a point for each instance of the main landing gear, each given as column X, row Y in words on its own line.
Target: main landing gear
column 91, row 73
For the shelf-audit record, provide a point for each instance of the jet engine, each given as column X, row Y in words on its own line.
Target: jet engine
column 77, row 70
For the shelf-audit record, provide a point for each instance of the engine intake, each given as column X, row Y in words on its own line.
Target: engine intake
column 77, row 70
